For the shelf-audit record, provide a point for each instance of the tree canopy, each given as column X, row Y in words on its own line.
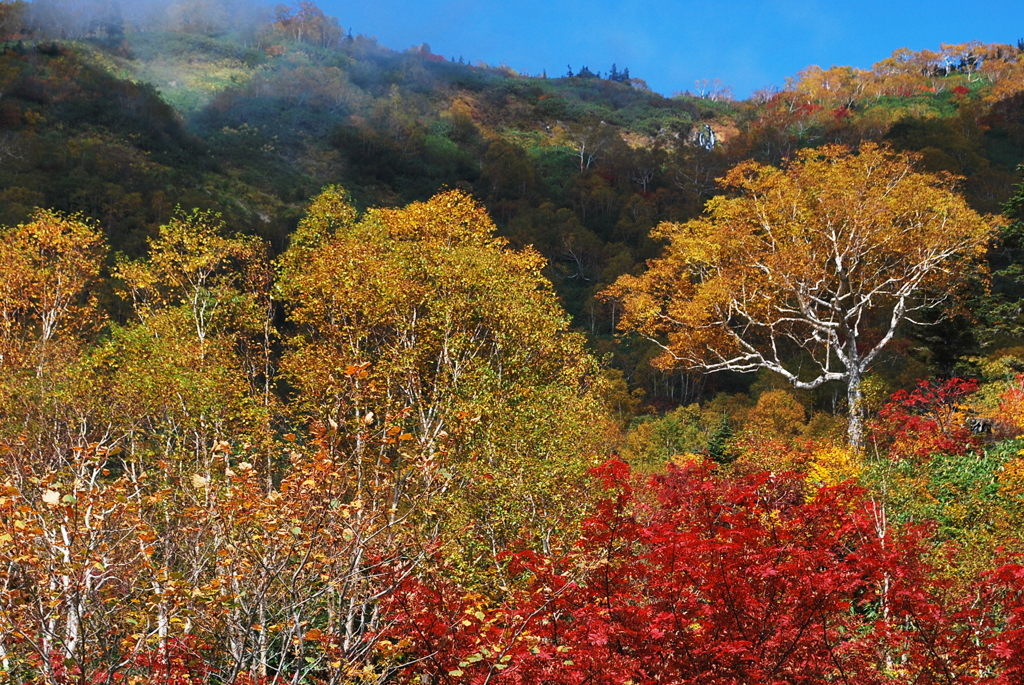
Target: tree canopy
column 827, row 256
column 464, row 358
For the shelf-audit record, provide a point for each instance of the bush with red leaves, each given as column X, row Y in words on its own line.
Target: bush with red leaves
column 696, row 579
column 927, row 420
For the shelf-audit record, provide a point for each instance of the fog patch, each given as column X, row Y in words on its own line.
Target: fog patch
column 76, row 19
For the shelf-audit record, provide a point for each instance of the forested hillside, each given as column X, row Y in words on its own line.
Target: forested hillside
column 322, row 362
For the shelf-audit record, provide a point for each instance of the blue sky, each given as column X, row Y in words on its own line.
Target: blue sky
column 673, row 43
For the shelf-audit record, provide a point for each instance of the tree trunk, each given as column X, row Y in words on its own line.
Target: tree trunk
column 855, row 401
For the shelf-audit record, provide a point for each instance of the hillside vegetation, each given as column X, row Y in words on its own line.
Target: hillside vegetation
column 322, row 362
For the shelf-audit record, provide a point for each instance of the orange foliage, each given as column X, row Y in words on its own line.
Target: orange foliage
column 1011, row 406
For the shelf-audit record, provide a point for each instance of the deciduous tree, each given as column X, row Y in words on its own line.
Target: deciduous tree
column 829, row 254
column 465, row 355
column 46, row 266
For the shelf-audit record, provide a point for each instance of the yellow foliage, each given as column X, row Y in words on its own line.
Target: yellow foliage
column 456, row 343
column 834, row 464
column 825, row 426
column 686, row 459
column 46, row 269
column 795, row 252
column 766, row 453
column 1011, row 480
column 778, row 414
column 875, row 392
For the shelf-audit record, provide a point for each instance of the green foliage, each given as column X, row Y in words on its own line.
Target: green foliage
column 1004, row 313
column 975, row 501
column 652, row 441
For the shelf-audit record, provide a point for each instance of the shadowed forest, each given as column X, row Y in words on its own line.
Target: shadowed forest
column 322, row 362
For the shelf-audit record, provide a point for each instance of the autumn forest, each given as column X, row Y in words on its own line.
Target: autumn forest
column 322, row 362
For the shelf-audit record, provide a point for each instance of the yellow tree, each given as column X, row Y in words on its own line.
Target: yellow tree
column 824, row 258
column 459, row 356
column 46, row 267
column 189, row 392
column 838, row 85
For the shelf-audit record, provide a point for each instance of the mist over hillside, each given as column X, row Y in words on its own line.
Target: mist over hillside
column 73, row 19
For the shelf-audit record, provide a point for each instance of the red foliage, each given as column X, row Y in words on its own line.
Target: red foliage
column 768, row 453
column 1007, row 585
column 928, row 420
column 695, row 579
column 180, row 662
